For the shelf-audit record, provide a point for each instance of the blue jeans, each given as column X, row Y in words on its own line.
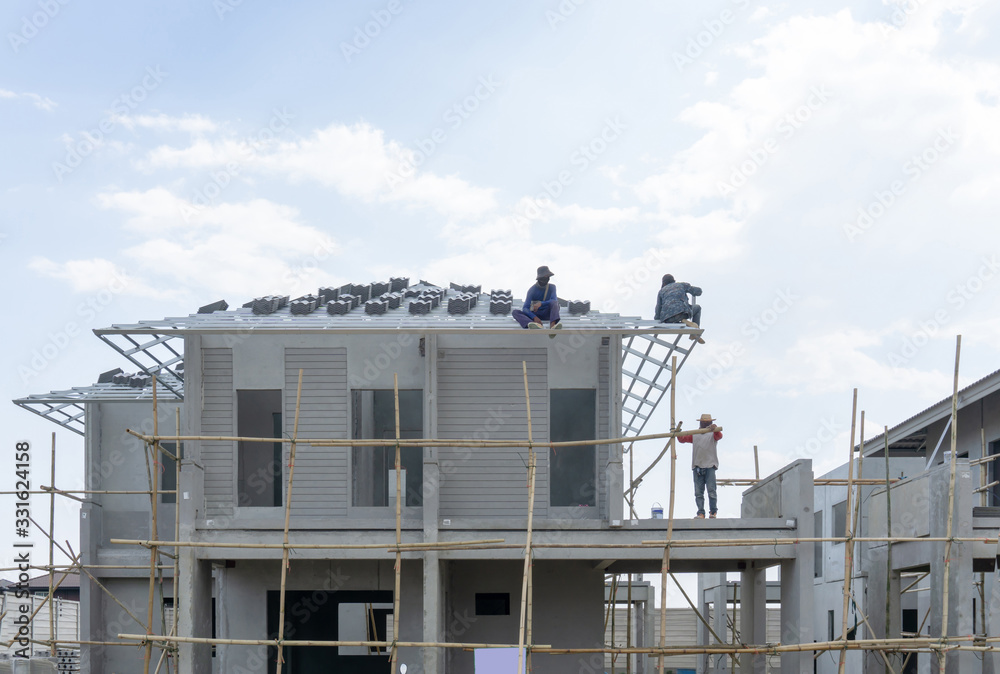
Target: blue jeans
column 546, row 312
column 705, row 477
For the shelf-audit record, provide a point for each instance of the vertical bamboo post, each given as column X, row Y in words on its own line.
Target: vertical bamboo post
column 288, row 513
column 631, row 491
column 888, row 533
column 628, row 628
column 52, row 534
column 756, row 464
column 525, row 597
column 394, row 653
column 665, row 567
column 153, row 554
column 177, row 521
column 943, row 654
column 849, row 543
column 861, row 460
column 983, row 469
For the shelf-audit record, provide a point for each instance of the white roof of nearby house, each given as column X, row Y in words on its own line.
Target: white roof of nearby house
column 911, row 432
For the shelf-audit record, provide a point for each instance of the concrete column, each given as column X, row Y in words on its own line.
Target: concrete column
column 91, row 601
column 991, row 661
column 615, row 475
column 720, row 596
column 194, row 612
column 433, row 589
column 960, row 576
column 886, row 626
column 796, row 504
column 753, row 616
column 704, row 638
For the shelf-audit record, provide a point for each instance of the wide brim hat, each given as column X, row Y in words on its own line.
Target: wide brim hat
column 706, row 417
column 544, row 272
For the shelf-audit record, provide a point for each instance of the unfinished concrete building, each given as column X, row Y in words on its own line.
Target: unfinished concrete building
column 497, row 537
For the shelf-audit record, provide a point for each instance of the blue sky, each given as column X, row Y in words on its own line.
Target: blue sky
column 826, row 172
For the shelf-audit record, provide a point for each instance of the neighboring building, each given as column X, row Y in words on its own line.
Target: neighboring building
column 458, row 357
column 62, row 623
column 919, row 508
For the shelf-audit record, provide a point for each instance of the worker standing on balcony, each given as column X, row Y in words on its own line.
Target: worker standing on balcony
column 704, row 462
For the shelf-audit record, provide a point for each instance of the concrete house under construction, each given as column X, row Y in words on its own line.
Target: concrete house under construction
column 469, row 553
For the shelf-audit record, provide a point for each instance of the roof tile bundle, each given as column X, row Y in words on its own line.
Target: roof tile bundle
column 501, row 307
column 355, row 300
column 327, row 294
column 339, row 307
column 379, row 288
column 411, row 292
column 376, row 307
column 398, row 283
column 393, row 299
column 421, row 306
column 268, row 304
column 433, row 298
column 466, row 289
column 132, row 379
column 458, row 304
column 304, row 305
column 221, row 305
column 579, row 307
column 362, row 290
column 563, row 303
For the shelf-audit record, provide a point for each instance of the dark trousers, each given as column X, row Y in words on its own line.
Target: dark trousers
column 546, row 312
column 705, row 477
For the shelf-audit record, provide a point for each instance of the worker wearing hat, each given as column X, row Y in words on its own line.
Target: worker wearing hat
column 541, row 303
column 704, row 462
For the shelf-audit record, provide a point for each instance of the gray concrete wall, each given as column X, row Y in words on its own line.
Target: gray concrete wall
column 242, row 602
column 568, row 611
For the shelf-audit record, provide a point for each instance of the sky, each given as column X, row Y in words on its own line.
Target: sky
column 826, row 172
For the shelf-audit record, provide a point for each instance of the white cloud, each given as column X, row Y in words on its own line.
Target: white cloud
column 247, row 249
column 194, row 124
column 41, row 102
column 356, row 160
column 93, row 275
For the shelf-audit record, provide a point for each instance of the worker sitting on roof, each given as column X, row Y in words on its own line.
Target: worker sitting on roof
column 672, row 304
column 541, row 303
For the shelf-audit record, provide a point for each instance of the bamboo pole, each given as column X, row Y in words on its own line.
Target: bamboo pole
column 52, row 528
column 525, row 598
column 756, row 465
column 177, row 523
column 848, row 545
column 888, row 545
column 153, row 557
column 628, row 627
column 665, row 565
column 943, row 657
column 419, row 442
column 697, row 612
column 394, row 652
column 288, row 515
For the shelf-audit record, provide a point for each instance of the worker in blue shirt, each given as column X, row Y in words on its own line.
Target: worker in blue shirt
column 541, row 303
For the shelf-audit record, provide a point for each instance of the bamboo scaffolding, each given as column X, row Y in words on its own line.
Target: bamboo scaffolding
column 288, row 513
column 943, row 657
column 941, row 645
column 525, row 596
column 153, row 557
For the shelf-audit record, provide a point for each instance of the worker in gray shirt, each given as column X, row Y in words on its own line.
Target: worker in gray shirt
column 704, row 462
